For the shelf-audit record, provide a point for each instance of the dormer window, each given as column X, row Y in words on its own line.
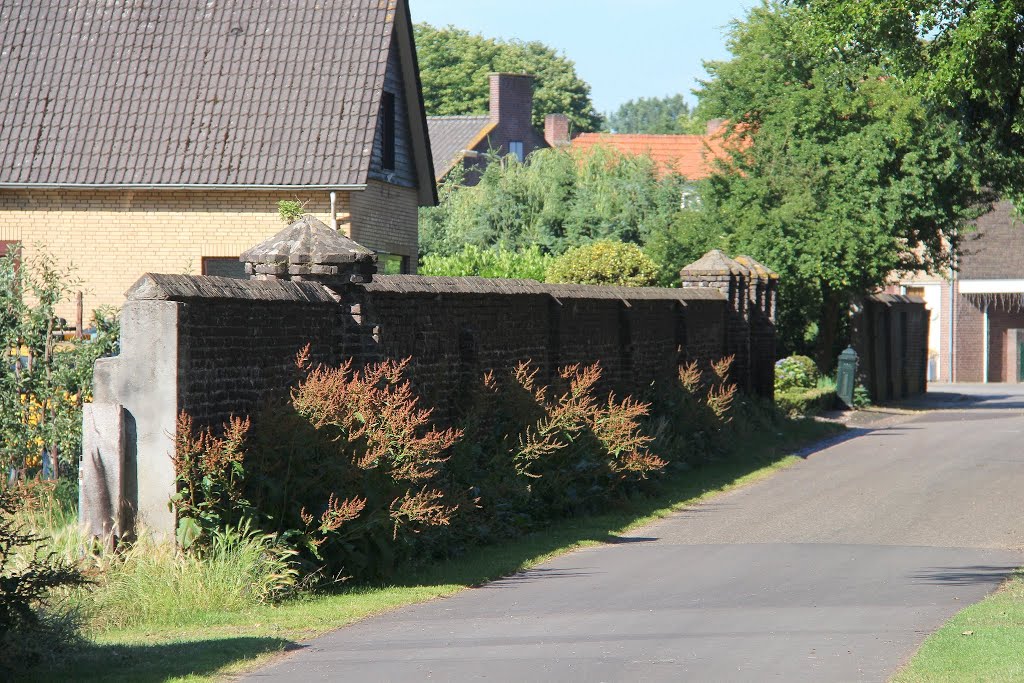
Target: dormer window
column 387, row 115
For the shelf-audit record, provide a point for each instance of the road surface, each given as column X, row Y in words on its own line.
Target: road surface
column 833, row 570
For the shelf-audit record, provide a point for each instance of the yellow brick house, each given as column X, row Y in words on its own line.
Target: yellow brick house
column 159, row 136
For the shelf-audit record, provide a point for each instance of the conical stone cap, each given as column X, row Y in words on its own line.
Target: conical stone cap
column 714, row 264
column 310, row 250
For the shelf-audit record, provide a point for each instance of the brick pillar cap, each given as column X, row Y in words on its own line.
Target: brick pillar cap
column 714, row 263
column 308, row 241
column 758, row 269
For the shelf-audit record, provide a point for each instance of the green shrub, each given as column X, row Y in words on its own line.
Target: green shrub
column 806, row 401
column 346, row 471
column 861, row 397
column 529, row 264
column 795, row 372
column 290, row 210
column 604, row 263
column 30, row 626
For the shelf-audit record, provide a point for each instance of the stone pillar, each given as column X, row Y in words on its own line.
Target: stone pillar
column 763, row 299
column 310, row 251
column 718, row 271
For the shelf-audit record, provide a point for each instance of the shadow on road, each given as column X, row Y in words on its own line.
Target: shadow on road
column 971, row 575
column 162, row 661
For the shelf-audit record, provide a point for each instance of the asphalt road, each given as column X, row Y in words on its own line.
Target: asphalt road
column 833, row 570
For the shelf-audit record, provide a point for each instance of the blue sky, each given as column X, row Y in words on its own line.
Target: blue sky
column 623, row 48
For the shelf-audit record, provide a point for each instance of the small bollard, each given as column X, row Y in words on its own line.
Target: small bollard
column 846, row 376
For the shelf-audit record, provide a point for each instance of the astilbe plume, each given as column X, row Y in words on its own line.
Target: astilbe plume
column 377, row 414
column 689, row 377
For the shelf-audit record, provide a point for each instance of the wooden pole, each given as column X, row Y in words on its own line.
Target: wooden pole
column 79, row 332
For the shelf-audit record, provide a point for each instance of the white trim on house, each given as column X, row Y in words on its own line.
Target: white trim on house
column 991, row 286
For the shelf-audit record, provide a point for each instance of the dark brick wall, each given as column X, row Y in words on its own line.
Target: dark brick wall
column 890, row 336
column 238, row 351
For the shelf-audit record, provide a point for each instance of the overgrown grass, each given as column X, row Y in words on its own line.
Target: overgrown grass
column 143, row 626
column 983, row 642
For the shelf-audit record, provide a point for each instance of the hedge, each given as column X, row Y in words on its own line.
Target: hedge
column 805, row 401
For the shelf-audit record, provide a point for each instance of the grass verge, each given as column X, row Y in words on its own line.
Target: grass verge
column 982, row 643
column 215, row 644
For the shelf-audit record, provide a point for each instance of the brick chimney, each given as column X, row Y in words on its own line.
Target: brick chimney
column 556, row 130
column 511, row 97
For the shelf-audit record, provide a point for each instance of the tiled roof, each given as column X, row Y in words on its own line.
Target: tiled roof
column 450, row 136
column 170, row 92
column 689, row 155
column 996, row 250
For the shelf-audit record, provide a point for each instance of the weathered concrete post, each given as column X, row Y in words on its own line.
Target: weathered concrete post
column 718, row 271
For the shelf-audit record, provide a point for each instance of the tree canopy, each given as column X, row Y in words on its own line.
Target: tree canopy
column 965, row 59
column 454, row 68
column 655, row 116
column 839, row 174
column 560, row 198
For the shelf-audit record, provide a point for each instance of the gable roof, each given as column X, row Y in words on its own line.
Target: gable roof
column 174, row 93
column 451, row 136
column 691, row 156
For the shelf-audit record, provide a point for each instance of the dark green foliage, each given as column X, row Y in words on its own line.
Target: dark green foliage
column 558, row 200
column 454, row 67
column 840, row 175
column 604, row 263
column 965, row 59
column 28, row 629
column 799, row 401
column 655, row 116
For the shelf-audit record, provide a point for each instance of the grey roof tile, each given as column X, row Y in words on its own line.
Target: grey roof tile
column 450, row 136
column 279, row 92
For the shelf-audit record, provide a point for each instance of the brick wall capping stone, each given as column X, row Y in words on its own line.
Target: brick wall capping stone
column 756, row 268
column 422, row 284
column 714, row 263
column 191, row 287
column 308, row 241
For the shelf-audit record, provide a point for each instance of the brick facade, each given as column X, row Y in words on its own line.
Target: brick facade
column 111, row 237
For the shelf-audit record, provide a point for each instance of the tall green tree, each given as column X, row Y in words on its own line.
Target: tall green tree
column 655, row 116
column 561, row 199
column 965, row 58
column 454, row 65
column 839, row 174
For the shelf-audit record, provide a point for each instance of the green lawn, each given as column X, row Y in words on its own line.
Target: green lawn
column 983, row 643
column 214, row 645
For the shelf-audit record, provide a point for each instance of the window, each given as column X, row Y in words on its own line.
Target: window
column 387, row 113
column 224, row 266
column 516, row 149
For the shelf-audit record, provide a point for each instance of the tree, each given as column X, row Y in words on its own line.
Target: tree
column 454, row 65
column 838, row 174
column 965, row 59
column 655, row 116
column 560, row 199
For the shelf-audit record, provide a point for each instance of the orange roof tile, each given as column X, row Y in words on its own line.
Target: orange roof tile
column 692, row 156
